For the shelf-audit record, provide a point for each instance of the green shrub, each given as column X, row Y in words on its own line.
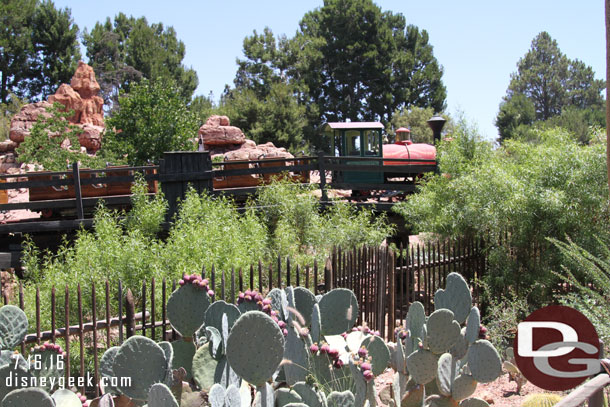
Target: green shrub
column 515, row 197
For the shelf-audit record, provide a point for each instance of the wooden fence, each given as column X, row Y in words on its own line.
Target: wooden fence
column 384, row 281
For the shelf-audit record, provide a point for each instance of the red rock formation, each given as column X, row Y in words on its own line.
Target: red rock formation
column 222, row 139
column 81, row 97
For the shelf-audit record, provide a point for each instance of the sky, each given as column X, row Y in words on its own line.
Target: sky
column 478, row 43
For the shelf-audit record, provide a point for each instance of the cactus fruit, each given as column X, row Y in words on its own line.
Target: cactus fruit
column 31, row 396
column 484, row 361
column 186, row 307
column 250, row 300
column 455, row 297
column 255, row 347
column 13, row 326
column 541, row 400
column 66, row 398
column 142, row 360
column 161, row 396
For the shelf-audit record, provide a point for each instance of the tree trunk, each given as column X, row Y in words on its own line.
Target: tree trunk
column 607, row 2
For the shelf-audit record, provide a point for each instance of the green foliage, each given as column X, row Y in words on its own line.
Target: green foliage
column 125, row 50
column 502, row 316
column 39, row 48
column 545, row 85
column 7, row 111
column 151, row 119
column 415, row 119
column 582, row 267
column 514, row 198
column 337, row 67
column 128, row 49
column 43, row 146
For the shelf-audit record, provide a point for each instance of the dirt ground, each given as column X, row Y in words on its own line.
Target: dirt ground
column 500, row 393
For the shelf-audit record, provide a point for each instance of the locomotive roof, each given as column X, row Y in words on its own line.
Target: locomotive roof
column 353, row 125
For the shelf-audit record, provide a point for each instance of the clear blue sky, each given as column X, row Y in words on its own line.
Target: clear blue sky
column 478, row 43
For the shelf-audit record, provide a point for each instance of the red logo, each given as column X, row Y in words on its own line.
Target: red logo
column 556, row 348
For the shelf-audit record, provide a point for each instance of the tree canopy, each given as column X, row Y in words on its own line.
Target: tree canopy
column 349, row 60
column 38, row 48
column 546, row 84
column 128, row 49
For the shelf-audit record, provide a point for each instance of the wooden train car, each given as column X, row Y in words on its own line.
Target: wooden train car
column 253, row 180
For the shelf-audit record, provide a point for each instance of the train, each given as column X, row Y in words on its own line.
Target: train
column 402, row 161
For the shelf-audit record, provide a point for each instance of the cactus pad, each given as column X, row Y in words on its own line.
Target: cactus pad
column 279, row 302
column 309, row 396
column 183, row 356
column 284, row 396
column 255, row 347
column 161, row 396
column 455, row 297
column 416, row 318
column 304, row 301
column 13, row 327
column 216, row 396
column 442, row 331
column 48, row 371
column 460, row 347
column 444, row 374
column 463, row 387
column 473, row 325
column 440, row 401
column 213, row 316
column 379, row 353
column 66, row 398
column 316, row 324
column 106, row 363
column 484, row 361
column 8, row 371
column 297, row 355
column 341, row 399
column 28, row 397
column 204, row 367
column 142, row 360
column 186, row 309
column 474, row 402
column 338, row 310
column 422, row 366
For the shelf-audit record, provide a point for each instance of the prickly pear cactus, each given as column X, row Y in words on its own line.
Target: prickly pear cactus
column 13, row 326
column 142, row 360
column 11, row 371
column 66, row 398
column 106, row 369
column 474, row 402
column 47, row 364
column 28, row 397
column 442, row 331
column 338, row 311
column 183, row 356
column 213, row 316
column 341, row 399
column 304, row 301
column 484, row 361
column 455, row 297
column 422, row 366
column 106, row 401
column 187, row 305
column 255, row 347
column 161, row 396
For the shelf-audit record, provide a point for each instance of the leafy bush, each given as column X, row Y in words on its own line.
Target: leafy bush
column 207, row 231
column 43, row 146
column 515, row 198
column 151, row 119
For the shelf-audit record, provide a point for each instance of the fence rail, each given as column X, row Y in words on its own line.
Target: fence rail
column 384, row 282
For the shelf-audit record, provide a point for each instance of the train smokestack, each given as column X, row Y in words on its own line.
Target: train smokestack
column 436, row 123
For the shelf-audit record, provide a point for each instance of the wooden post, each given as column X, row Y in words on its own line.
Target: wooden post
column 328, row 276
column 184, row 162
column 322, row 176
column 77, row 192
column 130, row 312
column 392, row 294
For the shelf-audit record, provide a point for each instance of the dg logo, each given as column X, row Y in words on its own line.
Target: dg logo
column 557, row 348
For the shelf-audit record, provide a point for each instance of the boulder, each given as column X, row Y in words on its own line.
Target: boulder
column 91, row 137
column 216, row 120
column 68, row 97
column 221, row 135
column 22, row 122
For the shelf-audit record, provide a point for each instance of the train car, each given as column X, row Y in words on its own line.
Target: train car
column 365, row 139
